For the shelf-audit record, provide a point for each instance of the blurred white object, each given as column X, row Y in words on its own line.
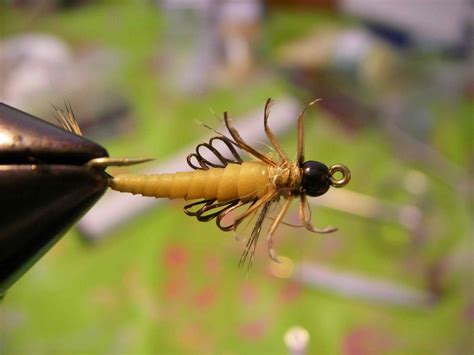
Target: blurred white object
column 38, row 70
column 189, row 45
column 30, row 63
column 431, row 23
column 239, row 34
column 362, row 287
column 297, row 340
column 408, row 216
column 209, row 41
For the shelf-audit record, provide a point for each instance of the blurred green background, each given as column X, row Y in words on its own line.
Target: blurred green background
column 164, row 283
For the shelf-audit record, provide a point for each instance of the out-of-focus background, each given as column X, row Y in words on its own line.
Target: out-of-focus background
column 396, row 84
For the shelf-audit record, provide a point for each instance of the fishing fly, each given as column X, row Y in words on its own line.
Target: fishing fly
column 222, row 183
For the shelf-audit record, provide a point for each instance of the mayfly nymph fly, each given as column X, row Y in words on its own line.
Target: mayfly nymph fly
column 225, row 182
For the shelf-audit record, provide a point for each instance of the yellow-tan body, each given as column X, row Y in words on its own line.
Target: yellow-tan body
column 246, row 182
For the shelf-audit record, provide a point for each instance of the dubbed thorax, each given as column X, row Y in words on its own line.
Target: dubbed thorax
column 286, row 178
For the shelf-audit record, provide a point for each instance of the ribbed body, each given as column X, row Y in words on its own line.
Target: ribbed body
column 244, row 181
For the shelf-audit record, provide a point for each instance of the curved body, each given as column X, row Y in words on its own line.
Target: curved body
column 246, row 182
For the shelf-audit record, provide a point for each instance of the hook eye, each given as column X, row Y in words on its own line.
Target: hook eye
column 346, row 175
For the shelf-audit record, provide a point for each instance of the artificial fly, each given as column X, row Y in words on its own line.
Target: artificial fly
column 225, row 182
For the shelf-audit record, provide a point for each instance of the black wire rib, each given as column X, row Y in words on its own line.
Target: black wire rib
column 206, row 210
column 205, row 164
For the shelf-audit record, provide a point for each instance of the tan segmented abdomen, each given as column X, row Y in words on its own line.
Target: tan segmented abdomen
column 243, row 181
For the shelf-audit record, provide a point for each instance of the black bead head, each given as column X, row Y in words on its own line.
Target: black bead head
column 315, row 180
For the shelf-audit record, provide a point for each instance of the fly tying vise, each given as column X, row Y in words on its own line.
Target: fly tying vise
column 49, row 178
column 225, row 183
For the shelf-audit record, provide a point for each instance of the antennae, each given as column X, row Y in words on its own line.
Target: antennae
column 269, row 132
column 300, row 147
